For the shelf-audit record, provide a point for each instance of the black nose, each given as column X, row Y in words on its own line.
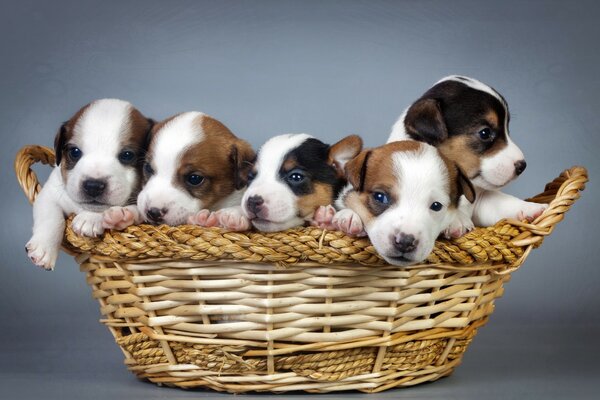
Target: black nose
column 155, row 214
column 254, row 203
column 94, row 187
column 405, row 243
column 520, row 167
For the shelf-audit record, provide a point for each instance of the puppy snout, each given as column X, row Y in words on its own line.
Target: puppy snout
column 520, row 167
column 405, row 243
column 155, row 214
column 254, row 204
column 94, row 187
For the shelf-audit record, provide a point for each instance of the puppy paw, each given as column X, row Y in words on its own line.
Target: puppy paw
column 460, row 225
column 323, row 217
column 233, row 219
column 41, row 254
column 349, row 222
column 205, row 218
column 88, row 224
column 530, row 211
column 120, row 218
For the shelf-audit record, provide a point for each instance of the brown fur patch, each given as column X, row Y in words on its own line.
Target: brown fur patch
column 322, row 195
column 457, row 149
column 343, row 151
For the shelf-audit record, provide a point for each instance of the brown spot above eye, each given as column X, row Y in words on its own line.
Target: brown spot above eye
column 322, row 195
column 289, row 164
column 492, row 118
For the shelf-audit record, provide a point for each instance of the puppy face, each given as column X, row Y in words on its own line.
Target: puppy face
column 468, row 121
column 404, row 193
column 193, row 162
column 293, row 176
column 98, row 152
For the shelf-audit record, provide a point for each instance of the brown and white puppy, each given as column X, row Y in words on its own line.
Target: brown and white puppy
column 98, row 161
column 193, row 162
column 467, row 121
column 293, row 175
column 402, row 195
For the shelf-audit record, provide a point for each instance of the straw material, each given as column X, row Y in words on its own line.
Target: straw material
column 304, row 309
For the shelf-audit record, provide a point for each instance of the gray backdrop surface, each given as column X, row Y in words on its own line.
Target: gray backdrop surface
column 328, row 68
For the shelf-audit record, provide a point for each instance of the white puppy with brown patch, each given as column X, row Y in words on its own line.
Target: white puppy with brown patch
column 98, row 153
column 402, row 195
column 194, row 164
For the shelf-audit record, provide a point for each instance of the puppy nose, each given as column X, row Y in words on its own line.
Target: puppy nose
column 155, row 214
column 405, row 243
column 94, row 187
column 520, row 167
column 254, row 203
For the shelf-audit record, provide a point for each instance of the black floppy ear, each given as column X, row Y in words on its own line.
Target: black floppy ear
column 424, row 121
column 242, row 158
column 464, row 185
column 59, row 142
column 356, row 170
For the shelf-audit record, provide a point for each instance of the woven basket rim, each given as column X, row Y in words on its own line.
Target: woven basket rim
column 502, row 247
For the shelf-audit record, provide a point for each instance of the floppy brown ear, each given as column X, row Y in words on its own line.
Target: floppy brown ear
column 356, row 170
column 464, row 185
column 242, row 157
column 344, row 151
column 424, row 121
column 59, row 142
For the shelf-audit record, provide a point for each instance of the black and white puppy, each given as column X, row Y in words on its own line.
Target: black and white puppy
column 467, row 121
column 98, row 159
column 294, row 174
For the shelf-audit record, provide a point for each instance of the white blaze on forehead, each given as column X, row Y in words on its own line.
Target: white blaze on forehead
column 272, row 153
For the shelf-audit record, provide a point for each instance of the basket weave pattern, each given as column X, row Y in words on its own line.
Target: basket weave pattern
column 304, row 309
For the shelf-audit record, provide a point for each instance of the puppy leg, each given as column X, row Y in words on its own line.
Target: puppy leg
column 205, row 218
column 323, row 217
column 349, row 222
column 88, row 223
column 233, row 219
column 48, row 231
column 120, row 218
column 493, row 206
column 461, row 221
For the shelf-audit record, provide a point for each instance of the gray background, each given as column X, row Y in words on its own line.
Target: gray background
column 329, row 68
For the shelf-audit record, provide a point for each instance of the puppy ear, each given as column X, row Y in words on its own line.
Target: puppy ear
column 424, row 121
column 356, row 170
column 149, row 133
column 464, row 185
column 242, row 158
column 344, row 151
column 59, row 142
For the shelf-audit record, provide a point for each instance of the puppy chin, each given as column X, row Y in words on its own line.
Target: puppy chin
column 264, row 225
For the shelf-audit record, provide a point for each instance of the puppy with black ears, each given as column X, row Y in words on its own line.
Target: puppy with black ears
column 402, row 195
column 467, row 121
column 98, row 160
column 293, row 176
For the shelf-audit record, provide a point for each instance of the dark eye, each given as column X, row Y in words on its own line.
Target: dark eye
column 251, row 176
column 194, row 179
column 296, row 177
column 486, row 134
column 126, row 156
column 436, row 206
column 148, row 169
column 381, row 197
column 74, row 153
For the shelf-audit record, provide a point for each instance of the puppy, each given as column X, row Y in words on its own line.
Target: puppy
column 403, row 195
column 293, row 175
column 193, row 162
column 467, row 121
column 98, row 158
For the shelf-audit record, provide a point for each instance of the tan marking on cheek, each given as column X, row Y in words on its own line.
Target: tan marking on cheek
column 322, row 195
column 457, row 149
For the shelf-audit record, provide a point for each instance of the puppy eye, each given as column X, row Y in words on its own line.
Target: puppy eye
column 126, row 156
column 296, row 177
column 486, row 134
column 436, row 206
column 75, row 153
column 381, row 197
column 251, row 176
column 148, row 169
column 194, row 179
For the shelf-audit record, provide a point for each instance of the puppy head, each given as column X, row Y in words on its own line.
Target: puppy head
column 403, row 192
column 99, row 152
column 193, row 162
column 293, row 176
column 468, row 121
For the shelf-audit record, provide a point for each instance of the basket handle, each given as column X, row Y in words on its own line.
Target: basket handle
column 24, row 160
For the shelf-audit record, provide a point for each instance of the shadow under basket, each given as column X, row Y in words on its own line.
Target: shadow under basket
column 304, row 309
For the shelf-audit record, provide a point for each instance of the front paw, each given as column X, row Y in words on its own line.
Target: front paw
column 232, row 219
column 41, row 254
column 349, row 222
column 530, row 211
column 120, row 217
column 323, row 217
column 460, row 225
column 205, row 218
column 88, row 224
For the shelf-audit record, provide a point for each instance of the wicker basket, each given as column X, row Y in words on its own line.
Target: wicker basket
column 304, row 309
